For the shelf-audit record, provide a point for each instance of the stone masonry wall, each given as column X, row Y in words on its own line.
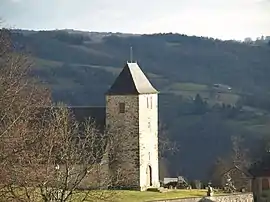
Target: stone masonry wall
column 246, row 197
column 126, row 127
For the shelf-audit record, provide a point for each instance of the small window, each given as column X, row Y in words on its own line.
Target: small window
column 147, row 102
column 121, row 107
column 151, row 102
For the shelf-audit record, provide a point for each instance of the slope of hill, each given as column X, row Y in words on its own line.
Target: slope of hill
column 231, row 78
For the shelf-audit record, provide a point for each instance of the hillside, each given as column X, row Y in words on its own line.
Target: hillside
column 231, row 78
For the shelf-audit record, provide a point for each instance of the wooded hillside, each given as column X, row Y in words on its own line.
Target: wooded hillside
column 211, row 90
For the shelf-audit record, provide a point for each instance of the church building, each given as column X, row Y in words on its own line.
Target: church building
column 132, row 101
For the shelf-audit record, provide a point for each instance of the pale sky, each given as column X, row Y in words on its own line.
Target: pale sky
column 224, row 19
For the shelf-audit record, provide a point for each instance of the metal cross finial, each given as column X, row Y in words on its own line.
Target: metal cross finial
column 131, row 54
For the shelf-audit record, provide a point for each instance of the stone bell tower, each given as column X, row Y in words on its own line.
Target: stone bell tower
column 132, row 102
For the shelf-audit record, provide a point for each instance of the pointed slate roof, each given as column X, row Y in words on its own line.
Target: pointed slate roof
column 131, row 81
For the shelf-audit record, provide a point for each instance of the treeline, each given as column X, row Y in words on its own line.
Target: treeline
column 174, row 56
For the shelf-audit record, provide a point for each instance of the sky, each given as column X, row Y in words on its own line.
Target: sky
column 223, row 19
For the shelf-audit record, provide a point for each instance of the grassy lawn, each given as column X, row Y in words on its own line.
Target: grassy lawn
column 119, row 195
column 137, row 196
column 133, row 196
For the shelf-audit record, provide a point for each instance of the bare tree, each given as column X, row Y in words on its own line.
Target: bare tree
column 67, row 162
column 45, row 154
column 19, row 100
column 219, row 167
column 19, row 93
column 239, row 154
column 235, row 164
column 165, row 145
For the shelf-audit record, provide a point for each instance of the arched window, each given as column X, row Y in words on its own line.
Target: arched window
column 265, row 184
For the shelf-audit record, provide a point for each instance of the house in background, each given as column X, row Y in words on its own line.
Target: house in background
column 241, row 178
column 260, row 172
column 179, row 179
column 175, row 182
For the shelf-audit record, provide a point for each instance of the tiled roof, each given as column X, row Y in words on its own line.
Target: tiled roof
column 241, row 169
column 131, row 81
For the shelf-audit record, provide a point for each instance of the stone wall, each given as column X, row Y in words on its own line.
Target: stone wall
column 123, row 127
column 246, row 197
column 138, row 139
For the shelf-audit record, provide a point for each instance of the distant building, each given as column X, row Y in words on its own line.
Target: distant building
column 240, row 176
column 167, row 180
column 175, row 182
column 179, row 179
column 261, row 179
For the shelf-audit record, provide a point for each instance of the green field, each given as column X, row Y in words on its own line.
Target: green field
column 137, row 196
column 188, row 87
column 209, row 94
column 116, row 195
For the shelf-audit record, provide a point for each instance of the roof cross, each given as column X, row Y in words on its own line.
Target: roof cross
column 131, row 54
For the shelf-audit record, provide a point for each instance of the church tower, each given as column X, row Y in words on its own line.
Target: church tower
column 132, row 102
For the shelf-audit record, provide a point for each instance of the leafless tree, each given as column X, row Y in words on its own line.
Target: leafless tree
column 165, row 144
column 19, row 93
column 215, row 173
column 45, row 154
column 239, row 154
column 20, row 97
column 66, row 162
column 236, row 159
